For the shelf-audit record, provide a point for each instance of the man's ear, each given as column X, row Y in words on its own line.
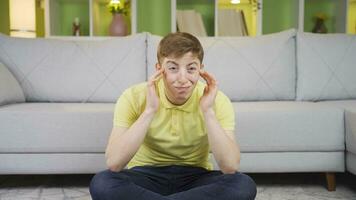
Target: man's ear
column 158, row 66
column 202, row 66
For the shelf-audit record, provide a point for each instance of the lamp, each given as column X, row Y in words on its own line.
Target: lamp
column 235, row 1
column 22, row 18
column 114, row 1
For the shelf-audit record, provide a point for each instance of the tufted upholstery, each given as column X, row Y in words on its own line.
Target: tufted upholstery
column 247, row 68
column 10, row 90
column 326, row 66
column 75, row 71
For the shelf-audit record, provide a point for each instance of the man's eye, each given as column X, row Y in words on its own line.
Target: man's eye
column 172, row 68
column 192, row 69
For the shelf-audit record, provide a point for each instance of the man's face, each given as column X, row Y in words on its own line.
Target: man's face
column 180, row 77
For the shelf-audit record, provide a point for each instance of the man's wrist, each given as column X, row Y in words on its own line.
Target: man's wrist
column 208, row 112
column 149, row 112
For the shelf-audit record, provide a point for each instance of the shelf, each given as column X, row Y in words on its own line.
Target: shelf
column 62, row 14
column 279, row 15
column 94, row 17
column 333, row 10
column 250, row 11
column 205, row 7
column 154, row 16
column 159, row 16
column 102, row 18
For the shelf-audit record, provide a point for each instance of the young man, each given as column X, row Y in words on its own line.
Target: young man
column 164, row 129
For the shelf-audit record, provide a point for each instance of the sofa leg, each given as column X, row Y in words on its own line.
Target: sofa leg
column 330, row 181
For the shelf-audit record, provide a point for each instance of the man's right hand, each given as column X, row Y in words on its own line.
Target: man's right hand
column 127, row 141
column 152, row 99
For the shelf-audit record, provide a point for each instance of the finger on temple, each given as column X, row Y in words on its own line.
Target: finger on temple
column 156, row 75
column 208, row 78
column 203, row 74
column 211, row 78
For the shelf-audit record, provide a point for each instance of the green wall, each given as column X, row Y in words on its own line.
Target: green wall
column 279, row 15
column 101, row 21
column 69, row 11
column 154, row 16
column 205, row 7
column 4, row 17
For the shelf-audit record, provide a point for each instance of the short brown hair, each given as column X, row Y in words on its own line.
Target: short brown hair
column 177, row 44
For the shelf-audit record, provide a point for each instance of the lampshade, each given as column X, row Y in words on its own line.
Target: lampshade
column 22, row 18
column 235, row 1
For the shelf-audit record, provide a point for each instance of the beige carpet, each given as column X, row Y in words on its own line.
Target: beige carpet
column 269, row 186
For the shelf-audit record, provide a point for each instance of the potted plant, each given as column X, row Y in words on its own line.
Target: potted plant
column 119, row 9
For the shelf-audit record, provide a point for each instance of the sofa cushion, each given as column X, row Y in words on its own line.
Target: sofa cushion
column 81, row 70
column 280, row 162
column 10, row 90
column 55, row 127
column 350, row 121
column 326, row 66
column 288, row 126
column 247, row 68
column 51, row 163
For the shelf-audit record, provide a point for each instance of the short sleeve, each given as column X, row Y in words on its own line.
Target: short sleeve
column 125, row 113
column 225, row 112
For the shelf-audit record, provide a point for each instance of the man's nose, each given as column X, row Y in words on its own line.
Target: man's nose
column 182, row 76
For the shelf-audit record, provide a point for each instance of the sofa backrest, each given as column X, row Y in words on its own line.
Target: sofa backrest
column 57, row 70
column 247, row 68
column 326, row 66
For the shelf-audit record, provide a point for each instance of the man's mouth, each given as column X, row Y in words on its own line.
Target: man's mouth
column 182, row 89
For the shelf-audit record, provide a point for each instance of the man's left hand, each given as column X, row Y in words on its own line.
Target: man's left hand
column 210, row 91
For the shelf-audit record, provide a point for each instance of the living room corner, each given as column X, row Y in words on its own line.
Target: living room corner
column 286, row 66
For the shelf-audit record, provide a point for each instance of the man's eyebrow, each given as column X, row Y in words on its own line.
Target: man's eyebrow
column 171, row 61
column 194, row 62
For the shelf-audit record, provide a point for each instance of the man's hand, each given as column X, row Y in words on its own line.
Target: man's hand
column 210, row 91
column 222, row 143
column 125, row 142
column 152, row 99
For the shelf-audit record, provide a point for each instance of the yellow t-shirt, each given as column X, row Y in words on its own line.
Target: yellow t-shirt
column 177, row 134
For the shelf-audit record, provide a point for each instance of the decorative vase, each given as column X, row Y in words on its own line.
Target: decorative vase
column 319, row 26
column 76, row 27
column 118, row 25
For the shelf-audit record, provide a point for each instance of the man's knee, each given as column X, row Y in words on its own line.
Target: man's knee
column 103, row 181
column 98, row 183
column 245, row 186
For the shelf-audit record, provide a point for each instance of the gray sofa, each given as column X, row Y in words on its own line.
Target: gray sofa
column 293, row 93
